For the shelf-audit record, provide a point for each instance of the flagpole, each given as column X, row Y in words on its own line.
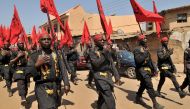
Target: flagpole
column 62, row 53
column 50, row 25
column 140, row 28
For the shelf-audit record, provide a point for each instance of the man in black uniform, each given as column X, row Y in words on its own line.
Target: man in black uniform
column 72, row 57
column 18, row 63
column 166, row 67
column 45, row 67
column 102, row 65
column 145, row 69
column 186, row 81
column 87, row 58
column 5, row 57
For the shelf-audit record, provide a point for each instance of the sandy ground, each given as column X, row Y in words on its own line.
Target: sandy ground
column 85, row 98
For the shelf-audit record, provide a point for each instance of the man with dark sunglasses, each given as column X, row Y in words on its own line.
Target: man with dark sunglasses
column 45, row 69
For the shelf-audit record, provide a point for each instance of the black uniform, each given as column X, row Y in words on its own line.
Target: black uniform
column 5, row 69
column 87, row 58
column 145, row 69
column 186, row 81
column 102, row 62
column 48, row 79
column 19, row 73
column 72, row 57
column 167, row 68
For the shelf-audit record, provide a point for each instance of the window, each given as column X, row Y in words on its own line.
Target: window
column 149, row 26
column 181, row 18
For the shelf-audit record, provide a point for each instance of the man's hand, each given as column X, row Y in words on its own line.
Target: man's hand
column 42, row 59
column 66, row 89
column 20, row 54
column 171, row 51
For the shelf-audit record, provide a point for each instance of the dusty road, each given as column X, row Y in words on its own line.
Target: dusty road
column 84, row 98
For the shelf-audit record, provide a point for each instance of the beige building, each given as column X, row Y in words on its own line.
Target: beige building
column 174, row 19
column 77, row 15
column 177, row 22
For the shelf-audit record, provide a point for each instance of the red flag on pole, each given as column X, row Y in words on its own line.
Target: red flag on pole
column 69, row 35
column 85, row 39
column 143, row 15
column 103, row 21
column 34, row 36
column 15, row 27
column 110, row 27
column 49, row 6
column 63, row 40
column 158, row 28
column 7, row 34
column 1, row 42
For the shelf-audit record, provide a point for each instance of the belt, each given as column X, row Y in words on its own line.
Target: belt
column 49, row 91
column 164, row 68
column 104, row 74
column 19, row 72
column 147, row 69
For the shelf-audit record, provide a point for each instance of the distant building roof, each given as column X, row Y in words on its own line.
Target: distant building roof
column 177, row 8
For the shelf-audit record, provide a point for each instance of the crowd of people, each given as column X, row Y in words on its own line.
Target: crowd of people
column 49, row 67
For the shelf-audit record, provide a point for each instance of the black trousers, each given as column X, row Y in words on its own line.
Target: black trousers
column 8, row 75
column 171, row 76
column 146, row 83
column 22, row 87
column 73, row 69
column 105, row 97
column 90, row 74
column 45, row 100
column 186, row 81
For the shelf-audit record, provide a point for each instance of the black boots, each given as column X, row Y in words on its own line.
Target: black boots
column 10, row 92
column 139, row 100
column 23, row 101
column 182, row 94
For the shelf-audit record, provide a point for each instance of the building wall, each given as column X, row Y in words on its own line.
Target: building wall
column 170, row 18
column 77, row 15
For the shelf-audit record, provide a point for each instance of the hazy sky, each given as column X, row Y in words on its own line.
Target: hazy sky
column 30, row 13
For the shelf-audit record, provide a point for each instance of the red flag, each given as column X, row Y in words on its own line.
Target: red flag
column 103, row 21
column 49, row 6
column 15, row 27
column 158, row 28
column 44, row 31
column 63, row 40
column 7, row 34
column 1, row 42
column 143, row 15
column 69, row 35
column 34, row 36
column 110, row 27
column 85, row 39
